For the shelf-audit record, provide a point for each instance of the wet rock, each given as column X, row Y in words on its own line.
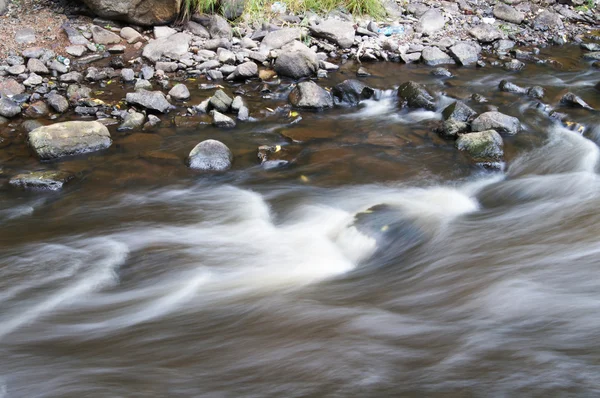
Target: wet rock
column 296, row 61
column 507, row 13
column 452, row 128
column 279, row 38
column 210, row 155
column 308, row 95
column 9, row 108
column 433, row 56
column 509, row 87
column 362, row 72
column 69, row 138
column 574, row 101
column 338, row 32
column 25, row 36
column 547, row 20
column 536, row 92
column 497, row 121
column 71, row 77
column 237, row 103
column 221, row 120
column 590, row 46
column 430, row 22
column 441, row 72
column 76, row 93
column 103, row 36
column 594, row 56
column 10, row 87
column 243, row 113
column 174, row 47
column 458, row 111
column 33, row 80
column 37, row 109
column 485, row 147
column 180, row 92
column 415, row 95
column 220, row 101
column 132, row 121
column 42, row 180
column 30, row 125
column 142, row 84
column 244, row 71
column 127, row 75
column 58, row 102
column 514, row 65
column 153, row 121
column 351, row 92
column 486, row 33
column 146, row 13
column 34, row 65
column 464, row 53
column 153, row 100
column 216, row 25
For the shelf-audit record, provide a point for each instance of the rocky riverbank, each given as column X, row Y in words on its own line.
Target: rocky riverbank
column 158, row 66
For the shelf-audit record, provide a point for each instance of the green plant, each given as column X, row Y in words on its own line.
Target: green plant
column 259, row 10
column 189, row 7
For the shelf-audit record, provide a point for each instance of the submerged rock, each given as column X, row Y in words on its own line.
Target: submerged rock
column 153, row 100
column 308, row 95
column 509, row 87
column 133, row 120
column 414, row 95
column 572, row 100
column 43, row 180
column 351, row 92
column 484, row 147
column 210, row 155
column 69, row 138
column 497, row 121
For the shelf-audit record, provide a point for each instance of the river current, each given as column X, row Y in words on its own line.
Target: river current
column 379, row 263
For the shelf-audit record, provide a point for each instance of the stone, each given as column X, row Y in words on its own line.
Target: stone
column 504, row 45
column 486, row 33
column 362, row 72
column 217, row 26
column 103, row 36
column 458, row 111
column 9, row 108
column 180, row 92
column 161, row 32
column 308, row 95
column 174, row 47
column 75, row 37
column 296, row 61
column 130, row 35
column 76, row 50
column 59, row 67
column 351, row 92
column 279, row 38
column 214, row 44
column 417, row 9
column 547, row 20
column 167, row 66
column 232, row 9
column 593, row 56
column 221, row 120
column 214, row 74
column 69, row 138
column 16, row 69
column 3, row 7
column 58, row 102
column 485, row 147
column 590, row 46
column 414, row 95
column 37, row 109
column 117, row 49
column 210, row 155
column 30, row 125
column 88, row 59
column 536, row 92
column 33, row 80
column 507, row 13
column 145, row 13
column 127, row 75
column 42, row 180
column 430, row 22
column 132, row 121
column 14, row 60
column 197, row 30
column 497, row 121
column 225, row 56
column 33, row 52
column 464, row 53
column 243, row 113
column 338, row 32
column 509, row 87
column 76, row 93
column 441, row 72
column 153, row 100
column 220, row 101
column 142, row 84
column 208, row 65
column 25, row 36
column 433, row 56
column 452, row 128
column 243, row 71
column 248, row 43
column 34, row 65
column 152, row 122
column 71, row 77
column 514, row 65
column 11, row 87
column 237, row 103
column 147, row 72
column 574, row 101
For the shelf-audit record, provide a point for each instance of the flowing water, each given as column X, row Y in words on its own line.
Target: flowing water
column 379, row 263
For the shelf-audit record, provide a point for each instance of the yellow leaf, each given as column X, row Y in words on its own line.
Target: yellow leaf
column 277, row 148
column 304, row 178
column 385, row 228
column 293, row 113
column 109, row 82
column 270, row 110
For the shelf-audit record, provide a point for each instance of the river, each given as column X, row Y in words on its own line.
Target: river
column 379, row 263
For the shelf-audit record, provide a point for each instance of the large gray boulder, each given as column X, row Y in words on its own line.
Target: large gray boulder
column 308, row 95
column 497, row 121
column 210, row 155
column 351, row 92
column 69, row 138
column 153, row 100
column 547, row 20
column 464, row 53
column 42, row 180
column 458, row 111
column 486, row 33
column 279, row 38
column 414, row 95
column 180, row 92
column 433, row 56
column 221, row 120
column 507, row 13
column 245, row 70
column 198, row 30
column 336, row 31
column 139, row 12
column 174, row 47
column 430, row 22
column 296, row 61
column 485, row 147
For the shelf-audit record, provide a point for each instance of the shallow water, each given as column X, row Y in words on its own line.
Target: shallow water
column 379, row 263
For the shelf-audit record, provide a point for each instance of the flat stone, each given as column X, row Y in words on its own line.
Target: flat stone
column 76, row 50
column 103, row 36
column 33, row 80
column 25, row 36
column 69, row 138
column 42, row 180
column 220, row 101
column 174, row 47
column 486, row 33
column 75, row 37
column 430, row 22
column 153, row 100
column 433, row 56
column 464, row 53
column 497, row 121
column 339, row 32
column 34, row 65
